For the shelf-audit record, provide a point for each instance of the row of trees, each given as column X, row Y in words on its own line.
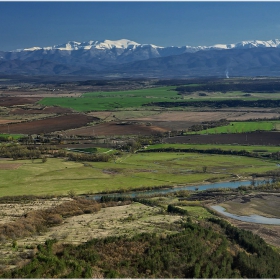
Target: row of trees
column 204, row 151
column 258, row 260
column 265, row 86
column 89, row 157
column 16, row 151
column 207, row 125
column 264, row 103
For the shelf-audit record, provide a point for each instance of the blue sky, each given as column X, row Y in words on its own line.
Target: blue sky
column 28, row 24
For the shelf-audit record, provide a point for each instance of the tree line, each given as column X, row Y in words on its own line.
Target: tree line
column 217, row 151
column 258, row 260
column 17, row 151
column 265, row 103
column 265, row 86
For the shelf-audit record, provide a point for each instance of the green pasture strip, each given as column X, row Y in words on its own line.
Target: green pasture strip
column 131, row 171
column 197, row 212
column 168, row 91
column 116, row 100
column 240, row 127
column 104, row 101
column 13, row 136
column 227, row 147
column 86, row 104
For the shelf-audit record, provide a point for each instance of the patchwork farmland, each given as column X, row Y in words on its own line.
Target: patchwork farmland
column 63, row 143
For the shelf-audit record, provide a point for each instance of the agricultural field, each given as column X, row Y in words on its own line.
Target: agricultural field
column 241, row 127
column 11, row 136
column 116, row 129
column 48, row 124
column 120, row 100
column 257, row 138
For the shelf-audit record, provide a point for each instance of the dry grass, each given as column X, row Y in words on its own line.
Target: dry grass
column 9, row 166
column 10, row 212
column 109, row 221
column 264, row 205
column 6, row 121
column 254, row 116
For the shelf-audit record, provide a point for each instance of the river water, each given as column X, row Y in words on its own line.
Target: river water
column 232, row 185
column 251, row 219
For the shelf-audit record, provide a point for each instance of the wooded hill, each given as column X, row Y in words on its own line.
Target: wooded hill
column 212, row 249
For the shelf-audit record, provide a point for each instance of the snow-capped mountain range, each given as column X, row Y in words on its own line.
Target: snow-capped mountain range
column 124, row 58
column 131, row 45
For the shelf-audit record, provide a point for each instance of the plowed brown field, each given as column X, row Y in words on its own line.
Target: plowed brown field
column 48, row 125
column 252, row 138
column 113, row 128
column 46, row 110
column 12, row 101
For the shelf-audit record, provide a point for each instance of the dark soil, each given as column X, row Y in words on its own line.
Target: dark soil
column 12, row 101
column 113, row 128
column 47, row 125
column 252, row 138
column 46, row 110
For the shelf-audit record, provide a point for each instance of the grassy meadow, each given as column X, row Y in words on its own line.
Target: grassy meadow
column 240, row 127
column 141, row 170
column 128, row 99
column 11, row 136
column 103, row 101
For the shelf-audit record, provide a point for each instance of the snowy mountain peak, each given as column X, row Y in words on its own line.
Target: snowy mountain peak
column 70, row 46
column 120, row 44
column 102, row 45
column 125, row 44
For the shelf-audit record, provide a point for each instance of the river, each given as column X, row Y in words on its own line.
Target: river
column 251, row 219
column 232, row 185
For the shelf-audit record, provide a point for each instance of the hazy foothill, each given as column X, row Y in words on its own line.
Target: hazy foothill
column 109, row 174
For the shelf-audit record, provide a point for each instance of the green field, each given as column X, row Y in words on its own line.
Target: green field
column 197, row 212
column 121, row 100
column 102, row 101
column 58, row 176
column 240, row 127
column 12, row 136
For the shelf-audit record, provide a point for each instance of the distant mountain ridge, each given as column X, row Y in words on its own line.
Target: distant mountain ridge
column 126, row 58
column 128, row 44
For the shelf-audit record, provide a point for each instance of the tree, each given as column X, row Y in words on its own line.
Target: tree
column 72, row 193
